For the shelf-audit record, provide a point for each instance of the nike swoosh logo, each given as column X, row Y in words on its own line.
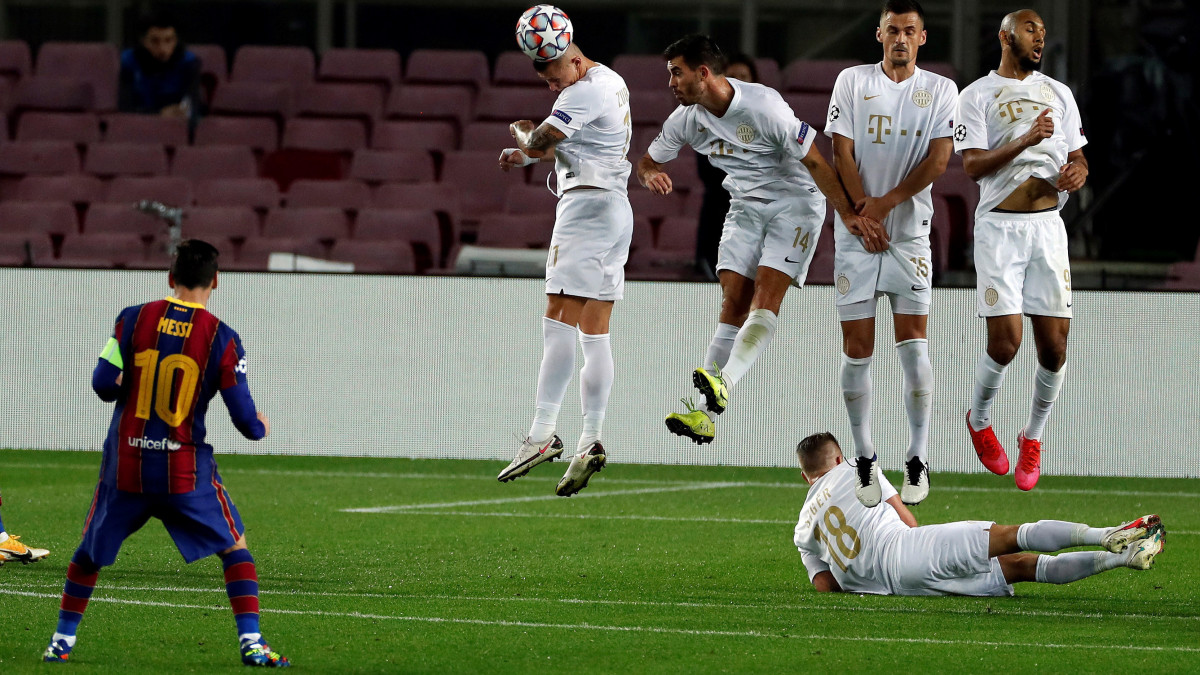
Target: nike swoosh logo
column 786, row 259
column 546, row 446
column 919, row 288
column 868, row 98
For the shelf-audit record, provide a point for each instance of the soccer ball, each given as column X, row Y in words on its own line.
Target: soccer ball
column 544, row 32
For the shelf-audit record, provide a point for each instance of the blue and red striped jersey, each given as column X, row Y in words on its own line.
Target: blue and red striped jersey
column 172, row 357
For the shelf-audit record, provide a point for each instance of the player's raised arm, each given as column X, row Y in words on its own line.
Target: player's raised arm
column 651, row 175
column 535, row 142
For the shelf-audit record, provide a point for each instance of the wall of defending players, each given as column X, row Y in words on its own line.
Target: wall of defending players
column 444, row 367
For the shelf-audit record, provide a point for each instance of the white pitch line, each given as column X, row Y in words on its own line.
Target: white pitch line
column 634, row 629
column 992, row 611
column 514, row 500
column 587, row 516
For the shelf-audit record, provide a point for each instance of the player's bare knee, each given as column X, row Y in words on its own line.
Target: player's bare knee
column 1053, row 358
column 1003, row 350
column 857, row 347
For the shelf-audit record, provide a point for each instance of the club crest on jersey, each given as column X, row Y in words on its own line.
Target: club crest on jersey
column 562, row 116
column 991, row 296
column 745, row 133
column 803, row 133
column 922, row 98
column 1047, row 93
column 843, row 284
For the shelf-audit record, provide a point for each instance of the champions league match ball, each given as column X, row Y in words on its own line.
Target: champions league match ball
column 544, row 32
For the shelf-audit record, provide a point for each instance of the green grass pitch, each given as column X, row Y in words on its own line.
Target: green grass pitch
column 651, row 569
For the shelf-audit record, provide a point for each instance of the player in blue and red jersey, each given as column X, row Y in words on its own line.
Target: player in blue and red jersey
column 163, row 364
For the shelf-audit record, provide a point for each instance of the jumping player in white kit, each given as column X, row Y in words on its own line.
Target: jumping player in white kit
column 846, row 546
column 1020, row 137
column 587, row 137
column 775, row 181
column 891, row 125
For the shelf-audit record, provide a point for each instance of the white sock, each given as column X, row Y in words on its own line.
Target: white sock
column 856, row 390
column 1046, row 386
column 595, row 384
column 918, row 394
column 989, row 375
column 1067, row 567
column 1055, row 535
column 251, row 637
column 751, row 342
column 721, row 345
column 558, row 365
column 70, row 639
column 3, row 537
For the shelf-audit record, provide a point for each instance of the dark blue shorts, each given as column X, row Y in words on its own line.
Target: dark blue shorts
column 201, row 522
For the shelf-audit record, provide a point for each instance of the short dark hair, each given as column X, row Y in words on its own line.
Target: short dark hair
column 814, row 451
column 698, row 50
column 195, row 263
column 746, row 60
column 899, row 7
column 156, row 18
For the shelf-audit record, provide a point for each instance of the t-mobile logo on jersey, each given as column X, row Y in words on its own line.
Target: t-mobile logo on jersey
column 148, row 444
column 881, row 125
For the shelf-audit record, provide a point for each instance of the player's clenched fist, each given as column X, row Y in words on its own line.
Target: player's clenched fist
column 658, row 182
column 1043, row 127
column 1071, row 177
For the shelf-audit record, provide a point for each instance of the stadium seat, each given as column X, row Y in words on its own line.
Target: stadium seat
column 25, row 250
column 215, row 161
column 651, row 106
column 508, row 104
column 282, row 65
column 442, row 198
column 643, row 234
column 811, row 108
column 480, row 170
column 350, row 195
column 943, row 68
column 48, row 218
column 490, row 136
column 217, row 222
column 506, row 230
column 416, row 226
column 961, row 197
column 133, row 128
column 15, row 60
column 815, row 76
column 253, row 254
column 392, row 166
column 307, row 223
column 212, row 61
column 170, row 190
column 125, row 159
column 655, row 207
column 376, row 257
column 642, row 71
column 534, row 199
column 79, row 128
column 257, row 193
column 677, row 233
column 291, row 164
column 39, row 158
column 77, row 189
column 514, row 69
column 258, row 133
column 768, row 73
column 323, row 134
column 376, row 66
column 643, row 136
column 448, row 66
column 359, row 101
column 430, row 102
column 275, row 100
column 121, row 218
column 940, row 236
column 820, row 270
column 100, row 250
column 96, row 63
column 414, row 135
column 52, row 93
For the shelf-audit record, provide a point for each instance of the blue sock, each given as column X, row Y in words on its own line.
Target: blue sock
column 81, row 581
column 241, row 584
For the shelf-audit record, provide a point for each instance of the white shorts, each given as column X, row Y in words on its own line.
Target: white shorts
column 590, row 244
column 865, row 309
column 1021, row 264
column 947, row 559
column 904, row 270
column 779, row 234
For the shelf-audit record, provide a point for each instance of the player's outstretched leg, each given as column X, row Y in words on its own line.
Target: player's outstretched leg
column 241, row 585
column 1117, row 539
column 989, row 375
column 582, row 467
column 529, row 455
column 81, row 582
column 918, row 400
column 12, row 550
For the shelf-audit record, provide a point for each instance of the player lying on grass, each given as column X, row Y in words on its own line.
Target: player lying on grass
column 11, row 549
column 163, row 364
column 849, row 547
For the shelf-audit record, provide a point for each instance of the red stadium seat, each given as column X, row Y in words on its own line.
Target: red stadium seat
column 376, row 257
column 940, row 236
column 642, row 71
column 96, row 63
column 291, row 164
column 125, row 159
column 506, row 230
column 350, row 195
column 283, row 65
column 392, row 166
column 133, row 128
column 448, row 66
column 514, row 69
column 258, row 133
column 216, row 161
column 255, row 252
column 487, row 136
column 39, row 158
column 430, row 102
column 170, row 190
column 25, row 250
column 217, row 222
column 52, row 93
column 530, row 199
column 325, row 135
column 49, row 218
column 414, row 135
column 417, row 226
column 768, row 73
column 360, row 101
column 677, row 233
column 121, row 218
column 820, row 270
column 80, row 128
column 479, row 170
column 101, row 250
column 258, row 193
column 651, row 106
column 438, row 197
column 275, row 100
column 508, row 104
column 77, row 189
column 380, row 66
column 212, row 61
column 811, row 108
column 643, row 234
column 815, row 76
column 961, row 197
column 307, row 223
column 15, row 60
column 646, row 203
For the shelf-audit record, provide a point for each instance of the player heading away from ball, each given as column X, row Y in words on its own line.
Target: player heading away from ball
column 848, row 547
column 162, row 366
column 775, row 180
column 12, row 550
column 1021, row 139
column 891, row 125
column 587, row 136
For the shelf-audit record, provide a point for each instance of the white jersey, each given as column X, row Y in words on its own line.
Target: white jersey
column 836, row 533
column 758, row 143
column 891, row 124
column 593, row 113
column 994, row 110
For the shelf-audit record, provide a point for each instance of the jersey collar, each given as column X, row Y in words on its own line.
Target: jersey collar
column 193, row 305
